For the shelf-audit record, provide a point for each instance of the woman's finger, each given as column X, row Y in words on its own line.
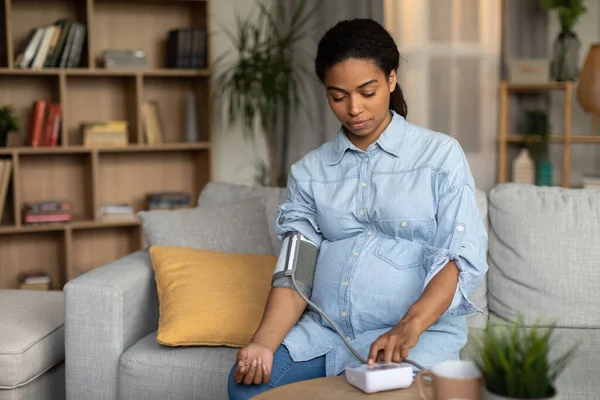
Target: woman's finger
column 374, row 351
column 388, row 351
column 239, row 372
column 258, row 375
column 397, row 356
column 266, row 374
column 249, row 378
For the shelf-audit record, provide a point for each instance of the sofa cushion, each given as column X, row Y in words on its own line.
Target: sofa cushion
column 201, row 297
column 233, row 227
column 31, row 334
column 150, row 371
column 543, row 254
column 220, row 192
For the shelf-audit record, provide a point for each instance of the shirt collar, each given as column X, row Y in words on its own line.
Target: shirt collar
column 389, row 140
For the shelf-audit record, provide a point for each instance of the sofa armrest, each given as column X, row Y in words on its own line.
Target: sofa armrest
column 108, row 309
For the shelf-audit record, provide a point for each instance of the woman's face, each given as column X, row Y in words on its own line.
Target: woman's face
column 359, row 96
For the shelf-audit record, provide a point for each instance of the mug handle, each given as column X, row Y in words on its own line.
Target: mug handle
column 421, row 383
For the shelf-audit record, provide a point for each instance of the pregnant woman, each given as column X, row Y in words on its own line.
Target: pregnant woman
column 392, row 208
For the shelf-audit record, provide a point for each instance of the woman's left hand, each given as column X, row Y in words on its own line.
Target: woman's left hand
column 394, row 344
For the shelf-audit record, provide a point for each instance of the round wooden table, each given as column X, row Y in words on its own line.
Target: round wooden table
column 336, row 387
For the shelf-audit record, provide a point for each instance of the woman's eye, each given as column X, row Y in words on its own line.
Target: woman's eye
column 338, row 99
column 369, row 94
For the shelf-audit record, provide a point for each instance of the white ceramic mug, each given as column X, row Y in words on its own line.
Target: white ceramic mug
column 452, row 380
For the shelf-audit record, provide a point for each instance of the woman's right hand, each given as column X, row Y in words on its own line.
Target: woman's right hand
column 254, row 364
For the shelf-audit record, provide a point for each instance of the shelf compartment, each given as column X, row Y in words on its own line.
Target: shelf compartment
column 39, row 251
column 39, row 13
column 114, row 99
column 134, row 148
column 129, row 178
column 49, row 178
column 21, row 92
column 171, row 97
column 536, row 87
column 132, row 25
column 151, row 72
column 7, row 211
column 92, row 248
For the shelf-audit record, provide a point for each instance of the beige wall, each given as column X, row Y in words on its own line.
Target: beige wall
column 234, row 155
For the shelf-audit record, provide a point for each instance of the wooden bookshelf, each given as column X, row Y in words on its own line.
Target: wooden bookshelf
column 90, row 177
column 567, row 138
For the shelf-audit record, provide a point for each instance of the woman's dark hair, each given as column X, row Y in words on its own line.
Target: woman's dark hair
column 361, row 39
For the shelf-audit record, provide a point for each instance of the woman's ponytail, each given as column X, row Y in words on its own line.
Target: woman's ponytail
column 397, row 102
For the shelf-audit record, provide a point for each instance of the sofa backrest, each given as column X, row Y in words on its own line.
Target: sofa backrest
column 220, row 192
column 544, row 255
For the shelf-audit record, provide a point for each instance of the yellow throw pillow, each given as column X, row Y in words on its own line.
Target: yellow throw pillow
column 210, row 298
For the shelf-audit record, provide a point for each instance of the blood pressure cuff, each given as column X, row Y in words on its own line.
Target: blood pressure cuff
column 298, row 257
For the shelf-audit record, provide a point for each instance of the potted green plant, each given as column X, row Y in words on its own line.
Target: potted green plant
column 537, row 132
column 567, row 44
column 8, row 123
column 264, row 83
column 515, row 361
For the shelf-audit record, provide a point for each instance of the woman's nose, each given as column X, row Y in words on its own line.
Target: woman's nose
column 354, row 107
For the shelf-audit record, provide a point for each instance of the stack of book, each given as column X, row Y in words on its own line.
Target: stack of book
column 117, row 212
column 44, row 129
column 61, row 45
column 123, row 59
column 44, row 212
column 168, row 200
column 5, row 173
column 591, row 182
column 35, row 281
column 105, row 134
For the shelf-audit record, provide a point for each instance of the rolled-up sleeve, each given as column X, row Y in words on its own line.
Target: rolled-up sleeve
column 460, row 237
column 298, row 212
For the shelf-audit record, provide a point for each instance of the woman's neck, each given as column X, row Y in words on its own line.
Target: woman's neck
column 363, row 142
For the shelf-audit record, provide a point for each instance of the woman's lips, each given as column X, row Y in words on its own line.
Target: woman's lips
column 358, row 124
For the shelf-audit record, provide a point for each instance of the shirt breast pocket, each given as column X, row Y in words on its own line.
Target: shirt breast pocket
column 402, row 247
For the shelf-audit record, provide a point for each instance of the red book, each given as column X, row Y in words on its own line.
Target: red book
column 37, row 123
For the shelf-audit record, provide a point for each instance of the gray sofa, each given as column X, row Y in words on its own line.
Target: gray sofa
column 544, row 254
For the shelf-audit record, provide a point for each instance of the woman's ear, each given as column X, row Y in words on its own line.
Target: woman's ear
column 392, row 81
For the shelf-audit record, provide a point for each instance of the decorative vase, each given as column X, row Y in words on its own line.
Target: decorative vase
column 566, row 56
column 588, row 89
column 487, row 395
column 523, row 168
column 544, row 173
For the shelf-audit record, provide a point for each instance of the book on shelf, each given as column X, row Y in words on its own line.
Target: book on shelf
column 123, row 59
column 35, row 281
column 45, row 121
column 153, row 126
column 186, row 48
column 117, row 212
column 47, row 212
column 105, row 134
column 61, row 45
column 5, row 174
column 591, row 182
column 168, row 200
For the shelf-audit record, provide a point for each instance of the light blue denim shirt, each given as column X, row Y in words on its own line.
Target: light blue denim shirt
column 386, row 220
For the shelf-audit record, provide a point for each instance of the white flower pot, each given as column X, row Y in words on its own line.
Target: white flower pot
column 492, row 396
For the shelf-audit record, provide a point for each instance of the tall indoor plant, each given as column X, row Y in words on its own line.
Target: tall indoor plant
column 8, row 123
column 567, row 44
column 515, row 361
column 264, row 83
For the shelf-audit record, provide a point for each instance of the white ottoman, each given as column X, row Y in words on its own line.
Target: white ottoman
column 32, row 350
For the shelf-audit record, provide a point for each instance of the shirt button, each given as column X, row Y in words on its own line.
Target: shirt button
column 367, row 159
column 364, row 184
column 330, row 346
column 348, row 338
column 460, row 228
column 344, row 313
column 345, row 283
column 362, row 212
column 355, row 254
column 403, row 224
column 369, row 233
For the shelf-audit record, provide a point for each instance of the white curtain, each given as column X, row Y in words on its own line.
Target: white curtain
column 450, row 71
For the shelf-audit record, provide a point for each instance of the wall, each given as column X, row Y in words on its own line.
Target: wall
column 585, row 158
column 234, row 155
